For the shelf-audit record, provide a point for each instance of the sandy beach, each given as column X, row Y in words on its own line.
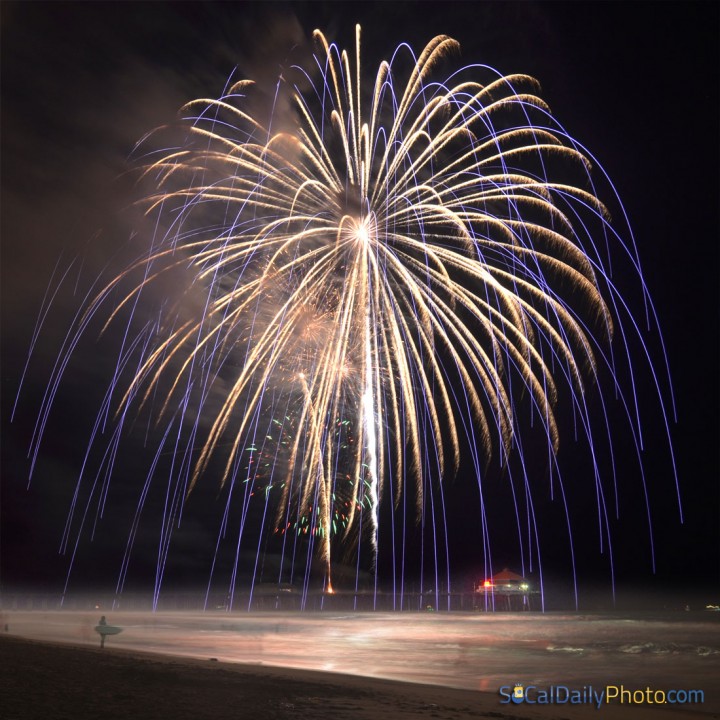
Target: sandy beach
column 73, row 682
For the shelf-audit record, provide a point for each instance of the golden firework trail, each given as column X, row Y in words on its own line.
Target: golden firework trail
column 381, row 277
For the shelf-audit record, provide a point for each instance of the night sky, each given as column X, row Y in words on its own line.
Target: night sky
column 636, row 83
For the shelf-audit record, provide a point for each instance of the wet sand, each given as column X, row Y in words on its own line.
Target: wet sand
column 56, row 681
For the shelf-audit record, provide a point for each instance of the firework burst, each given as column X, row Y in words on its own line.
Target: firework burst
column 370, row 284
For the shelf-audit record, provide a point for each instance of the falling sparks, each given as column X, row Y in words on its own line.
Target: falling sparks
column 370, row 284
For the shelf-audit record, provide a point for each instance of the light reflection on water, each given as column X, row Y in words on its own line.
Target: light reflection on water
column 472, row 651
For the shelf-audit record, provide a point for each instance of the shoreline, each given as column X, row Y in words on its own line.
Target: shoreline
column 52, row 679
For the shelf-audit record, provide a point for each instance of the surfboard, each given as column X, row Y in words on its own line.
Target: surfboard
column 108, row 629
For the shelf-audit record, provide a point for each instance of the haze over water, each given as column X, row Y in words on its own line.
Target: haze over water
column 478, row 651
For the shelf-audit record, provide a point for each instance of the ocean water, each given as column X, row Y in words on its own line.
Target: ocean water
column 479, row 651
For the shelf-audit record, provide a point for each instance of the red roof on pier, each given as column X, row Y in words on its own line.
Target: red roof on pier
column 506, row 575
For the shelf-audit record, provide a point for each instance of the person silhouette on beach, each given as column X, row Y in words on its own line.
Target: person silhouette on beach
column 103, row 628
column 102, row 622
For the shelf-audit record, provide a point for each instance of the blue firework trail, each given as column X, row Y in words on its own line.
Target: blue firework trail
column 367, row 291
